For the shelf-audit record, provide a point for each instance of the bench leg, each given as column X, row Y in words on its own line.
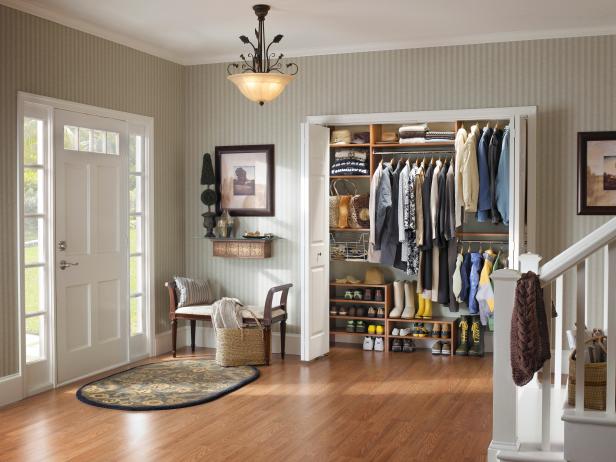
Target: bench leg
column 283, row 333
column 193, row 328
column 267, row 334
column 174, row 335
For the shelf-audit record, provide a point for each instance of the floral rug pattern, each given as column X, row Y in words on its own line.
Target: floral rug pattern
column 166, row 385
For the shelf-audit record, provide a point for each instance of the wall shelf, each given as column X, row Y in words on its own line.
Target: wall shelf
column 252, row 249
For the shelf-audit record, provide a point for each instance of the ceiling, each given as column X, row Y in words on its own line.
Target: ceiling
column 206, row 31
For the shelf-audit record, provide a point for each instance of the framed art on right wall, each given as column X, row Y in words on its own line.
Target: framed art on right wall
column 596, row 173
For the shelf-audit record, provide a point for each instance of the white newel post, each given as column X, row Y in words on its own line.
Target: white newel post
column 504, row 393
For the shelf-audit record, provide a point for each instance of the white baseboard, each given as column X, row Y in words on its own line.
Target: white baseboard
column 11, row 389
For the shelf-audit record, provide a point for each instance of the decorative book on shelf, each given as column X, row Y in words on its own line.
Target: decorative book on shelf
column 242, row 248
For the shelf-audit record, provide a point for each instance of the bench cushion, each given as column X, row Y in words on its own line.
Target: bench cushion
column 206, row 310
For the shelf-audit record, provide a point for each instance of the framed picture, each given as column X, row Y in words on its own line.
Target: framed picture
column 596, row 173
column 245, row 180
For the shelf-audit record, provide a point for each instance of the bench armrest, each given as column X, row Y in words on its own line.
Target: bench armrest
column 268, row 308
column 173, row 303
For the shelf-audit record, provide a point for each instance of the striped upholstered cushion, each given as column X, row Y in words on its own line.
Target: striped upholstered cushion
column 193, row 292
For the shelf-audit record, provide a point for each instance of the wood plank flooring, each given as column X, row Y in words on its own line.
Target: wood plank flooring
column 349, row 406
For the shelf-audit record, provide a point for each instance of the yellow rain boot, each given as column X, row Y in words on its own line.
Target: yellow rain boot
column 427, row 313
column 422, row 306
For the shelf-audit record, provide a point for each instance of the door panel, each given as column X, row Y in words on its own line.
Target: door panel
column 315, row 240
column 92, row 218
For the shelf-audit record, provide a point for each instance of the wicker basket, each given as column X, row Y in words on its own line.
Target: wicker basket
column 240, row 347
column 595, row 382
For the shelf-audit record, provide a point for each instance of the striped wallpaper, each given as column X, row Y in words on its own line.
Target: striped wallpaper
column 572, row 81
column 44, row 58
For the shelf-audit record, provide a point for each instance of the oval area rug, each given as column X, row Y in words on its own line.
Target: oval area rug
column 166, row 385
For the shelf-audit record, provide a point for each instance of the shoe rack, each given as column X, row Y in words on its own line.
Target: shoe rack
column 337, row 323
column 400, row 323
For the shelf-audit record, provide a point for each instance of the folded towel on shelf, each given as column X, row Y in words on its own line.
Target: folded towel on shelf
column 351, row 154
column 440, row 135
column 412, row 140
column 413, row 128
column 349, row 167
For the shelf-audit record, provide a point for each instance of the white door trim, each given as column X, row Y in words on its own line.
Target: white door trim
column 51, row 104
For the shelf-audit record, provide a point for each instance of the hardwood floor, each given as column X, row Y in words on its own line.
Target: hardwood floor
column 352, row 405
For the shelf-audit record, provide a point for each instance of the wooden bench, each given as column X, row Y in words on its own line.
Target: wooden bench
column 268, row 316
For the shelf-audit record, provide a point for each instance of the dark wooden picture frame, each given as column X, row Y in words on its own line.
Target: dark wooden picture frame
column 268, row 150
column 584, row 206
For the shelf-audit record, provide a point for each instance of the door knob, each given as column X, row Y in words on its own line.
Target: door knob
column 65, row 264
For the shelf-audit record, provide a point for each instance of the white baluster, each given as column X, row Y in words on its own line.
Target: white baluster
column 558, row 335
column 609, row 307
column 582, row 284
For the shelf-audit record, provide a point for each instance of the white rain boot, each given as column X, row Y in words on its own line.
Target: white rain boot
column 398, row 299
column 409, row 300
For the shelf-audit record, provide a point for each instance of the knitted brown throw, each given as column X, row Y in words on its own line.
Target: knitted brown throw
column 530, row 337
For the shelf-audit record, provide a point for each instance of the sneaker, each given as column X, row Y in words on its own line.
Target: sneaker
column 378, row 344
column 445, row 332
column 357, row 295
column 476, row 348
column 361, row 312
column 396, row 345
column 380, row 330
column 352, row 311
column 348, row 295
column 350, row 326
column 446, row 350
column 360, row 326
column 436, row 330
column 415, row 329
column 395, row 332
column 333, row 310
column 463, row 336
column 405, row 332
column 428, row 327
column 378, row 295
column 367, row 294
column 437, row 348
column 372, row 329
column 368, row 343
column 408, row 346
column 342, row 311
column 421, row 330
column 380, row 313
column 371, row 312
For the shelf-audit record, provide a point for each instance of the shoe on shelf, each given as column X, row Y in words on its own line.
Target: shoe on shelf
column 333, row 310
column 436, row 330
column 360, row 326
column 476, row 348
column 378, row 295
column 405, row 332
column 410, row 306
column 398, row 299
column 415, row 329
column 350, row 326
column 361, row 312
column 368, row 343
column 342, row 311
column 380, row 330
column 380, row 312
column 372, row 329
column 428, row 327
column 437, row 348
column 445, row 332
column 379, row 345
column 463, row 336
column 396, row 345
column 395, row 313
column 446, row 350
column 348, row 295
column 408, row 346
column 395, row 332
column 427, row 313
column 371, row 312
column 421, row 330
column 357, row 295
column 352, row 311
column 421, row 306
column 367, row 294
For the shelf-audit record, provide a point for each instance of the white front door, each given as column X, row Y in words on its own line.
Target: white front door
column 91, row 243
column 315, row 241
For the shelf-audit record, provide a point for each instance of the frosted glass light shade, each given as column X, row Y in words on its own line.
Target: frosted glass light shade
column 260, row 87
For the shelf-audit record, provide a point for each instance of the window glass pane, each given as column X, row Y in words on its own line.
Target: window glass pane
column 70, row 138
column 33, row 190
column 98, row 141
column 134, row 191
column 136, row 275
column 113, row 142
column 136, row 315
column 34, row 289
column 135, row 234
column 33, row 141
column 135, row 153
column 34, row 246
column 35, row 338
column 85, row 139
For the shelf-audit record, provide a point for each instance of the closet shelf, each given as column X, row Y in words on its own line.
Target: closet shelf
column 361, row 302
column 349, row 177
column 351, row 145
column 349, row 230
column 427, row 337
column 359, row 284
column 437, row 319
column 361, row 318
column 475, row 234
column 362, row 334
column 412, row 145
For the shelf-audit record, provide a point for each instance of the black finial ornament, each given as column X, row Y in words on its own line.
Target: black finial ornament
column 208, row 196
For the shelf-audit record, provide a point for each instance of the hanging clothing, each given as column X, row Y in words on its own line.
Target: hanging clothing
column 452, row 253
column 485, row 293
column 441, row 211
column 394, row 231
column 419, row 230
column 374, row 255
column 383, row 208
column 476, row 267
column 449, row 219
column 494, row 152
column 502, row 179
column 434, row 201
column 484, row 205
column 469, row 171
column 389, row 242
column 457, row 278
column 465, row 275
column 403, row 212
column 411, row 227
column 459, row 143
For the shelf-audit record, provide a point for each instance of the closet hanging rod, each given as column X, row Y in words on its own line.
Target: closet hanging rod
column 473, row 241
column 415, row 153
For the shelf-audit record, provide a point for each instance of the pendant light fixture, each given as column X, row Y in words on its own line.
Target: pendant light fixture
column 261, row 76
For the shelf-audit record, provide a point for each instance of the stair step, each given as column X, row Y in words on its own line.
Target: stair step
column 530, row 456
